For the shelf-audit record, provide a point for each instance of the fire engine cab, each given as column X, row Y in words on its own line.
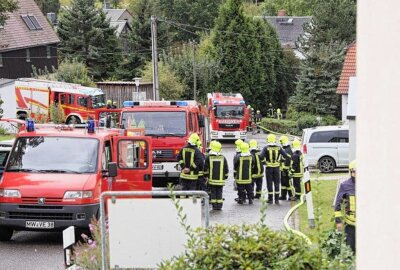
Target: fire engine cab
column 170, row 124
column 229, row 116
column 55, row 174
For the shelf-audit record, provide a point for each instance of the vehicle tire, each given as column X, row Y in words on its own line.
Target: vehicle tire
column 73, row 120
column 6, row 233
column 326, row 164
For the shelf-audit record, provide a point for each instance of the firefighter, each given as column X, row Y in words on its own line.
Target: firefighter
column 238, row 143
column 347, row 196
column 201, row 183
column 258, row 173
column 243, row 168
column 190, row 159
column 216, row 171
column 114, row 105
column 258, row 117
column 297, row 168
column 271, row 155
column 109, row 104
column 285, row 162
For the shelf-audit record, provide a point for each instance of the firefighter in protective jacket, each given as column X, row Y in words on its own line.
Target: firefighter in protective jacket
column 271, row 155
column 347, row 196
column 243, row 170
column 297, row 168
column 286, row 189
column 191, row 161
column 258, row 172
column 216, row 171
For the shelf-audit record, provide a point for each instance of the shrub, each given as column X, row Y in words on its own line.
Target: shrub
column 57, row 115
column 280, row 126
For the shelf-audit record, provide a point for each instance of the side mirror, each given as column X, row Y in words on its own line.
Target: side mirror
column 201, row 121
column 112, row 169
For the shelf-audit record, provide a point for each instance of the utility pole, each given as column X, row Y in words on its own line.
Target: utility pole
column 153, row 24
column 194, row 71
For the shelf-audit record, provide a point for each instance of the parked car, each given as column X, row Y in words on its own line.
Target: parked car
column 326, row 147
column 5, row 148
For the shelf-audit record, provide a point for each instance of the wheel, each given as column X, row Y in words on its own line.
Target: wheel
column 326, row 164
column 73, row 120
column 6, row 233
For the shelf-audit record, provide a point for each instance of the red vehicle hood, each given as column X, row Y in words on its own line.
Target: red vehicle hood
column 49, row 184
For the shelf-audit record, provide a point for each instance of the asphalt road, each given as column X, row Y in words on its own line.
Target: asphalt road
column 44, row 251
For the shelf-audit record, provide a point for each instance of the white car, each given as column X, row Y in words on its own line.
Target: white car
column 326, row 147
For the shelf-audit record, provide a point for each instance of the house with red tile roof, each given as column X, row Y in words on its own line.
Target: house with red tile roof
column 27, row 39
column 347, row 76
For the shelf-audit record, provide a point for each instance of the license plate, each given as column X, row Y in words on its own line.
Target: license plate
column 158, row 167
column 39, row 224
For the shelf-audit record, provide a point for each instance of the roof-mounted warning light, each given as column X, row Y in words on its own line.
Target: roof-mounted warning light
column 90, row 126
column 150, row 103
column 242, row 102
column 30, row 126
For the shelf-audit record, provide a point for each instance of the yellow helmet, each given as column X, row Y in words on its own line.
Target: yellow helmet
column 296, row 144
column 238, row 143
column 193, row 138
column 244, row 147
column 271, row 138
column 253, row 144
column 284, row 140
column 199, row 144
column 353, row 165
column 109, row 101
column 216, row 146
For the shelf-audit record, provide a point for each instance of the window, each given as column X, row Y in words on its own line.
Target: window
column 48, row 52
column 324, row 137
column 82, row 101
column 343, row 136
column 190, row 122
column 1, row 60
column 28, row 55
column 71, row 99
column 106, row 158
column 132, row 154
column 31, row 22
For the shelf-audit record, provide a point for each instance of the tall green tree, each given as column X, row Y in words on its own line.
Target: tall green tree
column 187, row 18
column 237, row 52
column 318, row 79
column 292, row 7
column 86, row 35
column 7, row 6
column 47, row 6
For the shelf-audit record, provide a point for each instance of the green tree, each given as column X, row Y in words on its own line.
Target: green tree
column 292, row 7
column 72, row 71
column 170, row 86
column 237, row 52
column 48, row 6
column 7, row 6
column 86, row 35
column 188, row 18
column 318, row 79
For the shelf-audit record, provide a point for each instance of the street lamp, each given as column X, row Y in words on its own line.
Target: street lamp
column 137, row 83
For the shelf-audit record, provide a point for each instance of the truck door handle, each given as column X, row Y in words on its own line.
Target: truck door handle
column 147, row 177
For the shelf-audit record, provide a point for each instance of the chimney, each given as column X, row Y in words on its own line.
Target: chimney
column 281, row 13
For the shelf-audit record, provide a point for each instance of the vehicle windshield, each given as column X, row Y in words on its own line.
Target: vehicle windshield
column 159, row 123
column 98, row 101
column 54, row 155
column 229, row 111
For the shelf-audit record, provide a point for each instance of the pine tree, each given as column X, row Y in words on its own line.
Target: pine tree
column 318, row 79
column 86, row 35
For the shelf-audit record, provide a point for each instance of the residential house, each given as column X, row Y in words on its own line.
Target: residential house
column 289, row 29
column 121, row 20
column 347, row 88
column 27, row 40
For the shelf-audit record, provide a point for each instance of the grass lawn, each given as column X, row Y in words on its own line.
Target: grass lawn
column 323, row 194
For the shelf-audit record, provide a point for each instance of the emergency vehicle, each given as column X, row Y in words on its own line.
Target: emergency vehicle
column 32, row 98
column 55, row 175
column 229, row 116
column 170, row 124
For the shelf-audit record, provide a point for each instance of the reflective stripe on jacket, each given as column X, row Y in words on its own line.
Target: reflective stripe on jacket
column 297, row 164
column 243, row 168
column 216, row 169
column 347, row 196
column 258, row 164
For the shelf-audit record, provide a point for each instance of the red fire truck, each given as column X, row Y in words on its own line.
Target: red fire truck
column 170, row 124
column 55, row 174
column 33, row 98
column 229, row 116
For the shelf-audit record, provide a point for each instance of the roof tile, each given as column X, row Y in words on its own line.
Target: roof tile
column 349, row 69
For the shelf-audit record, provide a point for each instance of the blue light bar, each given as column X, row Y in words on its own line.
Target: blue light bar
column 241, row 102
column 216, row 101
column 181, row 103
column 128, row 103
column 90, row 126
column 30, row 127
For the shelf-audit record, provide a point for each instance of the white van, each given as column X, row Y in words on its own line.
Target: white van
column 326, row 147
